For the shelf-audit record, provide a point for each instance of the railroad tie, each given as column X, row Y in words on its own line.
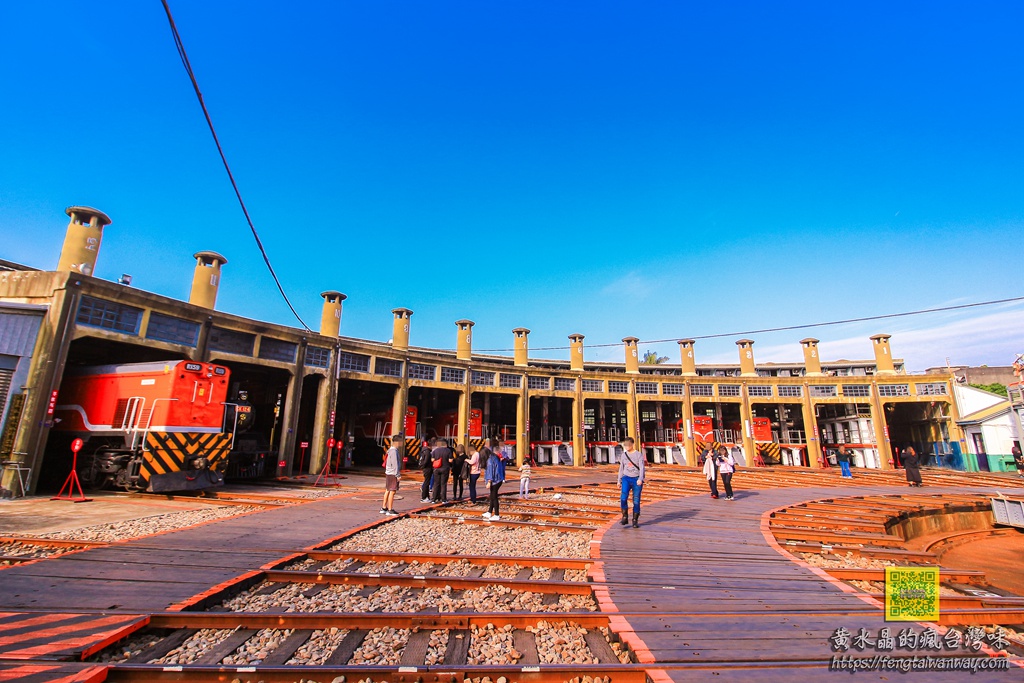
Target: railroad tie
column 354, row 565
column 526, row 645
column 557, row 574
column 271, row 587
column 367, row 591
column 347, row 647
column 458, row 647
column 525, row 573
column 315, row 590
column 288, row 648
column 475, row 572
column 599, row 647
column 415, row 653
column 161, row 647
column 225, row 647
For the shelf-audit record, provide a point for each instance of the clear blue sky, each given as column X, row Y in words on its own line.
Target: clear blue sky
column 660, row 169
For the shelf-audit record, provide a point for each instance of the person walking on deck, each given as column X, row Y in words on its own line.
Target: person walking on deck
column 631, row 479
column 710, row 471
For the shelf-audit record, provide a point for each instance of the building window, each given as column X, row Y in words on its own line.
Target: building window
column 510, row 381
column 481, row 379
column 280, row 350
column 857, row 390
column 317, row 357
column 615, row 387
column 823, row 391
column 353, row 362
column 702, row 390
column 673, row 389
column 420, row 371
column 232, row 341
column 109, row 315
column 729, row 390
column 174, row 330
column 388, row 367
column 452, row 375
column 891, row 390
column 932, row 389
column 565, row 384
column 538, row 383
column 646, row 387
column 593, row 385
column 760, row 390
column 790, row 391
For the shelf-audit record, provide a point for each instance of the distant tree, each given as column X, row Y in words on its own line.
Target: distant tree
column 652, row 358
column 994, row 388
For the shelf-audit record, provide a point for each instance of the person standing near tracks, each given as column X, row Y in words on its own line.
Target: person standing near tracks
column 1018, row 459
column 458, row 465
column 710, row 470
column 494, row 477
column 441, row 459
column 726, row 467
column 911, row 466
column 392, row 473
column 427, row 468
column 524, row 480
column 472, row 467
column 631, row 479
column 843, row 456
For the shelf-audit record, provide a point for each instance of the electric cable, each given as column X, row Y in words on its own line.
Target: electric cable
column 786, row 328
column 220, row 150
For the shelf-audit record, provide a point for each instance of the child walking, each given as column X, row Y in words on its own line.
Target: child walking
column 524, row 481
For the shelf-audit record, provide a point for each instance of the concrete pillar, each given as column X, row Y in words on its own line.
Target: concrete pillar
column 206, row 279
column 747, row 417
column 400, row 332
column 464, row 340
column 522, row 435
column 330, row 316
column 521, row 347
column 746, row 348
column 687, row 440
column 293, row 400
column 883, row 355
column 579, row 442
column 885, row 457
column 82, row 239
column 632, row 356
column 576, row 352
column 321, row 425
column 464, row 401
column 811, row 429
column 688, row 361
column 632, row 419
column 812, row 362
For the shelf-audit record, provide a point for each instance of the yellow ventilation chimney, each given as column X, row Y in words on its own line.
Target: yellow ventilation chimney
column 206, row 279
column 330, row 317
column 812, row 361
column 400, row 335
column 688, row 360
column 883, row 355
column 576, row 352
column 521, row 346
column 82, row 240
column 464, row 342
column 746, row 347
column 632, row 355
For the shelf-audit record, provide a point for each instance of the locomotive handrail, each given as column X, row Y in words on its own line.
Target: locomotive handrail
column 149, row 422
column 234, row 427
column 131, row 411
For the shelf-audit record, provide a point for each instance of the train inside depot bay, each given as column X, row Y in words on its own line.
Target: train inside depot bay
column 162, row 426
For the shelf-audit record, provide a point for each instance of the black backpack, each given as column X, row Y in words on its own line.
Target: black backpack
column 424, row 458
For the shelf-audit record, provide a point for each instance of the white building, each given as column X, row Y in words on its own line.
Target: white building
column 987, row 420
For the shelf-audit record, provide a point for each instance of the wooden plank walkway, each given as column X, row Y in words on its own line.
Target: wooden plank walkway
column 724, row 602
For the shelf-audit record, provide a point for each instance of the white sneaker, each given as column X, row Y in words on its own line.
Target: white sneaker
column 495, row 518
column 486, row 515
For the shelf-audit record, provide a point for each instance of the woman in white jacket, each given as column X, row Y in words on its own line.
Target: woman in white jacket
column 726, row 465
column 710, row 470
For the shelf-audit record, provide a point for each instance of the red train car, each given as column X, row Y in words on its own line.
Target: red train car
column 152, row 426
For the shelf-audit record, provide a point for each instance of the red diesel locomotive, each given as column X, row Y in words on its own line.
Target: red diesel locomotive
column 148, row 426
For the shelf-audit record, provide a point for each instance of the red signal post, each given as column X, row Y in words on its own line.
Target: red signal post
column 325, row 473
column 72, row 481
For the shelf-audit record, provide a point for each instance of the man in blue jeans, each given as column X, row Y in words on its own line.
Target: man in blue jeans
column 631, row 478
column 843, row 457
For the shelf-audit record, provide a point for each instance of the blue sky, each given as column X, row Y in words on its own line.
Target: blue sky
column 660, row 169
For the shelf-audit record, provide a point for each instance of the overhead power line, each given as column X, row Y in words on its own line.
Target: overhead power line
column 220, row 150
column 786, row 328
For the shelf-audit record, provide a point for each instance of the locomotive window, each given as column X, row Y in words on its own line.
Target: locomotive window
column 108, row 315
column 279, row 350
column 231, row 341
column 174, row 330
column 317, row 357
